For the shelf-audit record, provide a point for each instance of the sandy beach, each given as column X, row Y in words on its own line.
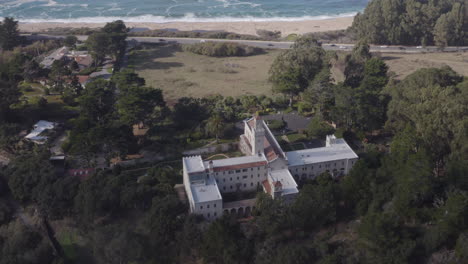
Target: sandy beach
column 244, row 27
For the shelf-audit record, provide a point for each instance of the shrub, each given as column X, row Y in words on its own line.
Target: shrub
column 269, row 35
column 222, row 49
column 276, row 124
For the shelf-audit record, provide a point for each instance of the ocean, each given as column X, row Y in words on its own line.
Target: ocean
column 177, row 10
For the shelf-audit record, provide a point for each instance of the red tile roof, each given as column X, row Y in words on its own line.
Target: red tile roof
column 266, row 186
column 82, row 78
column 240, row 166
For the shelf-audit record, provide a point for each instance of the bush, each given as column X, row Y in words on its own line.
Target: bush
column 319, row 128
column 87, row 71
column 276, row 124
column 222, row 49
column 269, row 35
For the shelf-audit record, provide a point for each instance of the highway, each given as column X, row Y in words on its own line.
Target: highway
column 276, row 44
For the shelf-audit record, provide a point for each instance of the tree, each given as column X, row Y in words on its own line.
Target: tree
column 357, row 188
column 316, row 204
column 319, row 94
column 70, row 41
column 29, row 174
column 20, row 244
column 97, row 102
column 293, row 69
column 10, row 95
column 223, row 242
column 318, row 128
column 371, row 103
column 9, row 33
column 137, row 104
column 215, row 125
column 386, row 239
column 434, row 103
column 98, row 44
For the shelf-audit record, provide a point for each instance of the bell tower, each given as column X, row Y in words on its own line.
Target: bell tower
column 258, row 136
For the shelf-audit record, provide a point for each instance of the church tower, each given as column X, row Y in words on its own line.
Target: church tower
column 258, row 136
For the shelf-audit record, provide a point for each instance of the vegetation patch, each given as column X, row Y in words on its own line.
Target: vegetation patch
column 222, row 49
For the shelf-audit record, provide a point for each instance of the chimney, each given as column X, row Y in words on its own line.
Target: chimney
column 210, row 166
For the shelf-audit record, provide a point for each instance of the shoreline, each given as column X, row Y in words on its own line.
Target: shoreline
column 240, row 27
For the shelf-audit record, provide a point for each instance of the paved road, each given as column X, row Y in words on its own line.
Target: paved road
column 276, row 44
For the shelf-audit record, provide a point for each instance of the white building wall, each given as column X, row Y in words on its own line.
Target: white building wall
column 210, row 210
column 247, row 179
column 310, row 171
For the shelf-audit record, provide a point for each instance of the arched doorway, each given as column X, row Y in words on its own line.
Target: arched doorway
column 240, row 212
column 247, row 211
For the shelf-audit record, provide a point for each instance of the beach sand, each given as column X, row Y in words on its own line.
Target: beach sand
column 244, row 27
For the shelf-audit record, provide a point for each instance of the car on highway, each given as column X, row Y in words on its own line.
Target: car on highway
column 270, row 45
column 342, row 47
column 419, row 47
column 384, row 46
column 202, row 41
column 162, row 40
column 332, row 45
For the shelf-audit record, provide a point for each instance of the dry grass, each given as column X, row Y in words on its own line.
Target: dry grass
column 404, row 64
column 180, row 73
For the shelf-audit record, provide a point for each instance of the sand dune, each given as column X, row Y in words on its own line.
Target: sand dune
column 244, row 27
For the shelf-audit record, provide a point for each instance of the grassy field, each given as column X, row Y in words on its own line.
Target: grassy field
column 405, row 64
column 180, row 73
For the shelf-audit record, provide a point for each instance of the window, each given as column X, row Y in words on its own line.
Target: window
column 231, row 187
column 208, row 215
column 216, row 174
column 207, row 206
column 214, row 214
column 201, row 207
column 214, row 205
column 244, row 177
column 231, row 178
column 224, row 180
column 231, row 172
column 258, row 168
column 237, row 171
column 245, row 185
column 335, row 164
column 244, row 170
column 237, row 177
column 251, row 169
column 251, row 184
column 251, row 176
column 224, row 188
column 258, row 175
column 296, row 169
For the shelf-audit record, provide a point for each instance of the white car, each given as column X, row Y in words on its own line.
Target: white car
column 419, row 47
column 202, row 40
column 342, row 47
column 384, row 47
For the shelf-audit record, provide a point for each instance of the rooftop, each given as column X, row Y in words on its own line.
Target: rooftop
column 205, row 191
column 286, row 180
column 238, row 162
column 39, row 128
column 337, row 151
column 193, row 164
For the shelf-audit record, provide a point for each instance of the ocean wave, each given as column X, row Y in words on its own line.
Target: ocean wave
column 189, row 17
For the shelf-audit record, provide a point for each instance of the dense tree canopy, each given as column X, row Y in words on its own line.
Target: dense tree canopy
column 293, row 69
column 413, row 22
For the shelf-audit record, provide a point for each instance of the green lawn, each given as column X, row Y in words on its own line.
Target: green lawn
column 180, row 73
